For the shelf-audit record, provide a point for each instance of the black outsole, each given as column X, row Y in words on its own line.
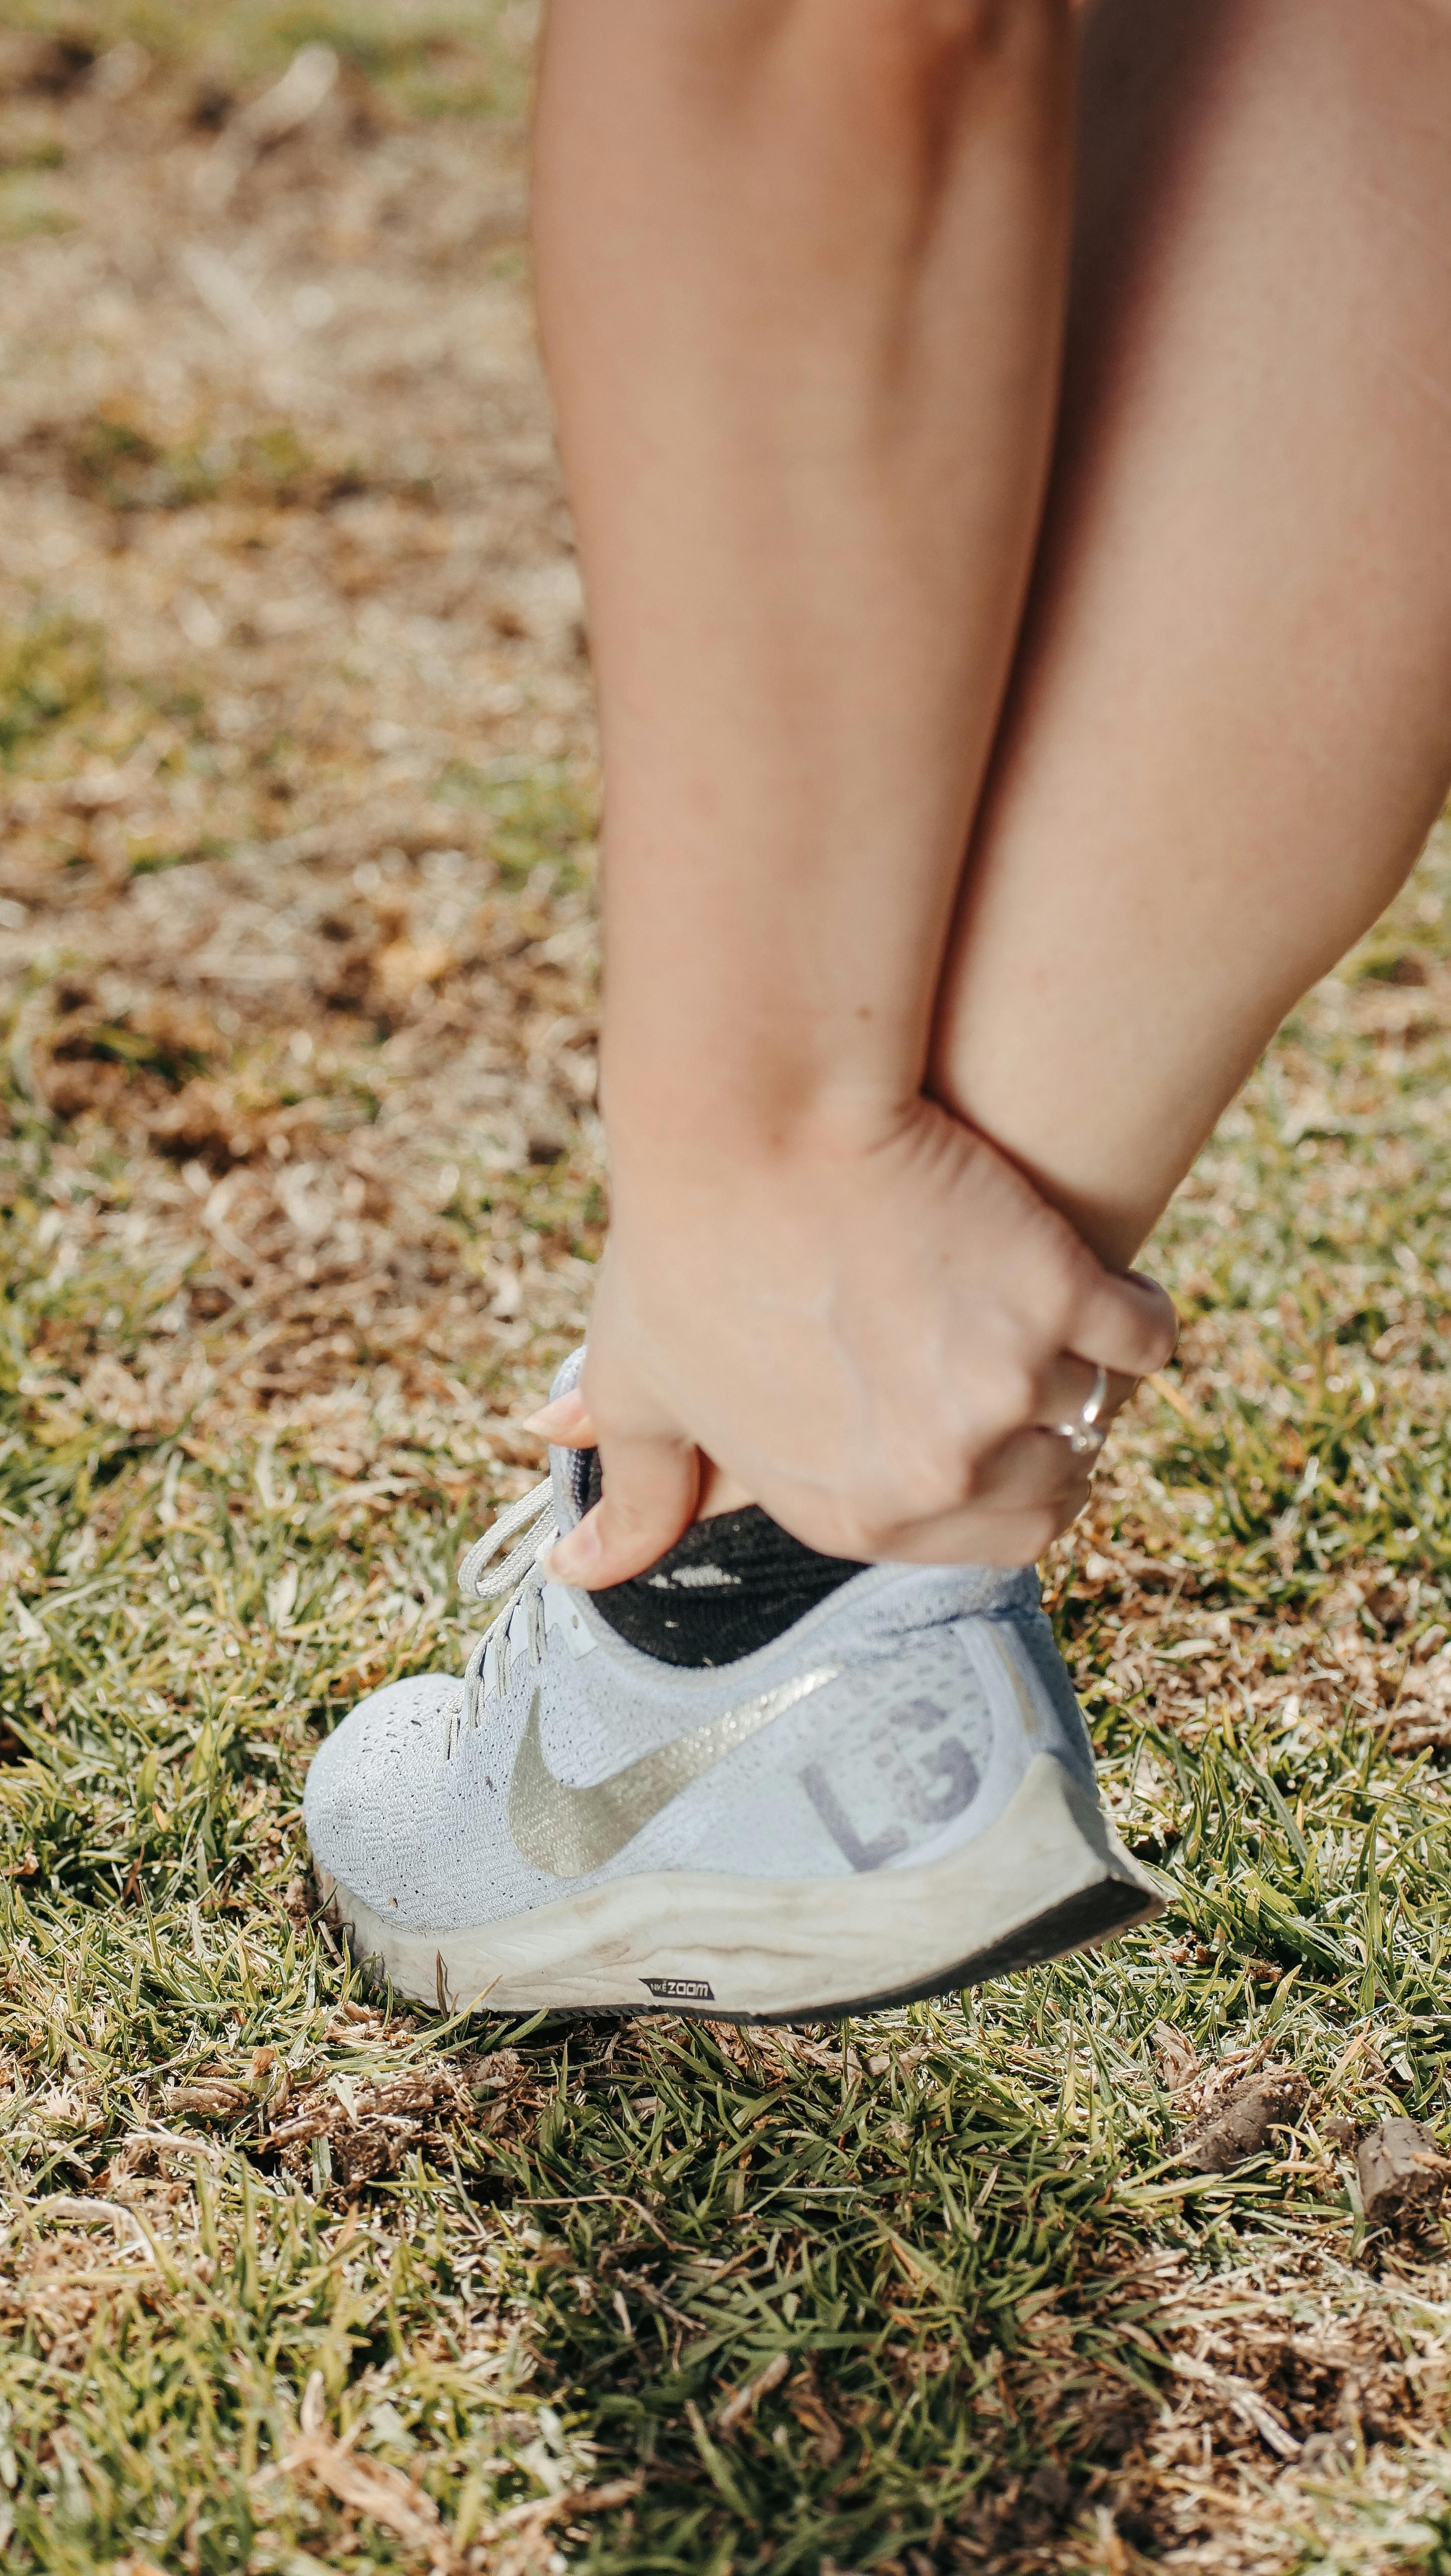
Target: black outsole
column 1093, row 1915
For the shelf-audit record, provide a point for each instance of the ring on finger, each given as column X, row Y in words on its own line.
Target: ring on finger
column 1086, row 1433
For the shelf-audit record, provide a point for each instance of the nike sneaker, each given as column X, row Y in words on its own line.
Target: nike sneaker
column 893, row 1798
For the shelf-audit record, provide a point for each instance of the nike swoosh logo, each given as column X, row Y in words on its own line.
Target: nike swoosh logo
column 568, row 1832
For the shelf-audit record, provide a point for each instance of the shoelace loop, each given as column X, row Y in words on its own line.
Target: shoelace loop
column 534, row 1515
column 532, row 1525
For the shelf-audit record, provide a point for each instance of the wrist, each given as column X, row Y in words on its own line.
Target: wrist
column 760, row 1117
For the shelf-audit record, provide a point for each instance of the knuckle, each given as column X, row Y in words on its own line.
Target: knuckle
column 1004, row 1397
column 989, row 1464
column 1017, row 1389
column 973, row 1474
column 1067, row 1279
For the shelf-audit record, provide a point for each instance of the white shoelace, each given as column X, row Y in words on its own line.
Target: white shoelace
column 517, row 1578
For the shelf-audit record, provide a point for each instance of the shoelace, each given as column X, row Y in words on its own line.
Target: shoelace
column 516, row 1578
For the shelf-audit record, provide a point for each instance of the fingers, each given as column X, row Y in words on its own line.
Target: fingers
column 1022, row 1498
column 628, row 1530
column 1066, row 1389
column 565, row 1423
column 1125, row 1323
column 984, row 1538
column 650, row 1472
column 1069, row 1385
column 1023, row 1491
column 1026, row 1494
column 1036, row 1473
column 651, row 1487
column 1030, row 1491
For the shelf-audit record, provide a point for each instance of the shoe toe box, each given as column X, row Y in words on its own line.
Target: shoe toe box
column 370, row 1795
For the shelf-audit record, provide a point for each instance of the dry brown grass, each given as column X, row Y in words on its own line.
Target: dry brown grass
column 302, row 1187
column 298, row 843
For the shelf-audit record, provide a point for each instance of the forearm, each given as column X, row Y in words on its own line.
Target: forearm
column 800, row 275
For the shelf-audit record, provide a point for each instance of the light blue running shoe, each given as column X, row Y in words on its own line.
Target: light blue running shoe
column 894, row 1798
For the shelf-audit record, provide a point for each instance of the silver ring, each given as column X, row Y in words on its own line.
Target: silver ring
column 1086, row 1435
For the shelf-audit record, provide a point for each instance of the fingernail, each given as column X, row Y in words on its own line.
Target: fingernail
column 558, row 1416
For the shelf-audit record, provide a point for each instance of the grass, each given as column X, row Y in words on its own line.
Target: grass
column 52, row 672
column 292, row 2279
column 542, row 819
column 425, row 57
column 946, row 2250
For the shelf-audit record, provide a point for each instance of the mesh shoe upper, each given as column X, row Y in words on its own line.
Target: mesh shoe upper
column 892, row 1722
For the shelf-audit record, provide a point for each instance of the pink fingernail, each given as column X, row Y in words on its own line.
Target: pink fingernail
column 562, row 1420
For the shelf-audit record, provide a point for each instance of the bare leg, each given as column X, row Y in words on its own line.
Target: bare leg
column 1231, row 725
column 801, row 278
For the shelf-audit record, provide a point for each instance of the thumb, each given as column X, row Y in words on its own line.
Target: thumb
column 652, row 1484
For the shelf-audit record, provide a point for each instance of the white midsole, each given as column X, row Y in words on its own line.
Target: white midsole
column 762, row 1948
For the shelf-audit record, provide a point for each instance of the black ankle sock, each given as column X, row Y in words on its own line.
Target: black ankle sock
column 729, row 1585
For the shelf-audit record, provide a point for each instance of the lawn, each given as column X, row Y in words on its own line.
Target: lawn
column 300, row 1188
